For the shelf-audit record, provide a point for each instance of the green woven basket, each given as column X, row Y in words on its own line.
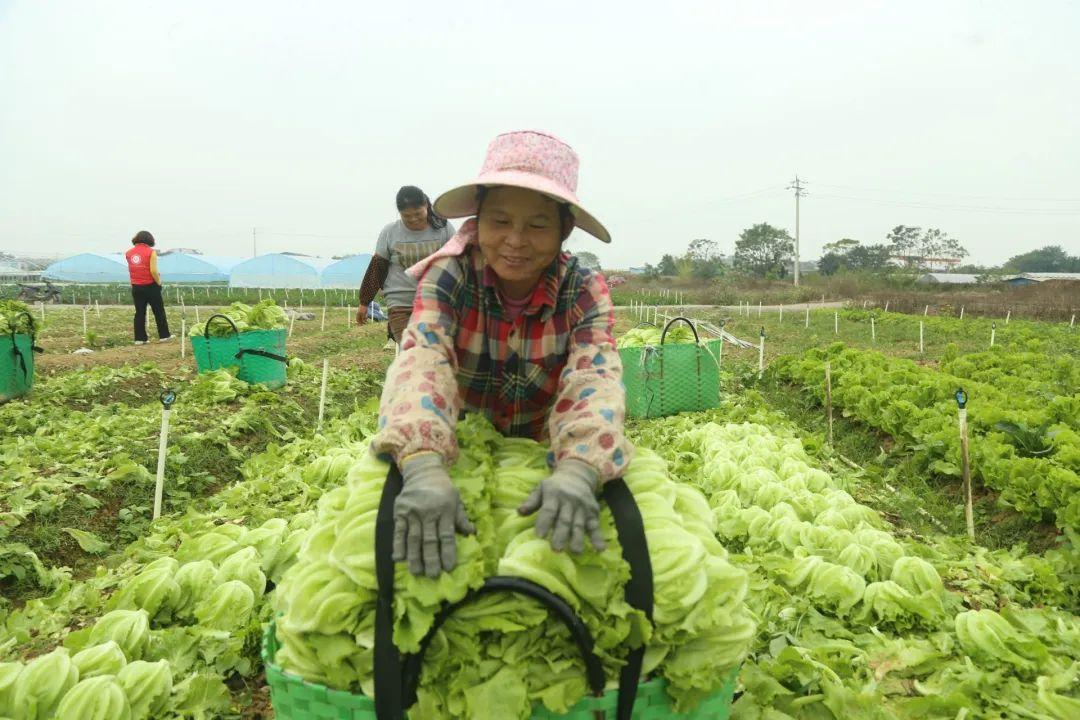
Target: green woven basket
column 16, row 366
column 259, row 354
column 296, row 699
column 671, row 378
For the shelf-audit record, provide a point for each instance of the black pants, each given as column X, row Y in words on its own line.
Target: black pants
column 144, row 295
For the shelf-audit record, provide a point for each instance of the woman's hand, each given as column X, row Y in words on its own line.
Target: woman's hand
column 361, row 314
column 568, row 507
column 427, row 513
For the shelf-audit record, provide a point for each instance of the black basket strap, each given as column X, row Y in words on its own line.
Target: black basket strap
column 388, row 695
column 639, row 588
column 206, row 332
column 262, row 353
column 594, row 669
column 671, row 322
column 396, row 681
column 226, row 318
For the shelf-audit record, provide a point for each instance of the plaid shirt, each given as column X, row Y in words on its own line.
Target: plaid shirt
column 552, row 372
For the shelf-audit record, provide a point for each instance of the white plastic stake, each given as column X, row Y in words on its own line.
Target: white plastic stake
column 873, row 330
column 183, row 337
column 207, row 291
column 828, row 398
column 965, row 465
column 1007, row 316
column 260, row 294
column 836, row 323
column 961, row 312
column 1072, row 320
column 993, row 333
column 807, row 315
column 183, row 307
column 921, row 349
column 720, row 354
column 322, row 325
column 886, row 306
column 761, row 353
column 759, row 308
column 43, row 312
column 781, row 314
column 322, row 392
column 197, row 320
column 97, row 309
column 926, row 311
column 163, row 442
column 292, row 321
column 863, row 304
column 84, row 322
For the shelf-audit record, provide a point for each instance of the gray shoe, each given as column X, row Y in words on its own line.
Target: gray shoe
column 141, row 342
column 167, row 338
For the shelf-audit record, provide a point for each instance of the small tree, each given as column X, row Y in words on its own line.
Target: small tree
column 588, row 259
column 764, row 250
column 830, row 263
column 904, row 242
column 1046, row 259
column 667, row 266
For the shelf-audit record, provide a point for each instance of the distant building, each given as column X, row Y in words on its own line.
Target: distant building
column 12, row 273
column 1032, row 278
column 947, row 279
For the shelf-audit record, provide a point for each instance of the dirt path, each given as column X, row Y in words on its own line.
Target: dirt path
column 831, row 305
column 347, row 348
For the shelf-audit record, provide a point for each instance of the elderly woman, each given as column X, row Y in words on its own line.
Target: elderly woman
column 507, row 324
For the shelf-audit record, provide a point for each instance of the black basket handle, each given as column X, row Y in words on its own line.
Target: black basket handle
column 395, row 683
column 663, row 336
column 226, row 318
column 594, row 670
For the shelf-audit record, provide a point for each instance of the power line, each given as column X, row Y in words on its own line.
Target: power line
column 989, row 209
column 953, row 195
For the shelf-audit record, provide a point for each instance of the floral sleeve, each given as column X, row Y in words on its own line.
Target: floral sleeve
column 420, row 404
column 586, row 422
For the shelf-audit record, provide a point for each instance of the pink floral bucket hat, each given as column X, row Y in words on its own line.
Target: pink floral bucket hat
column 527, row 159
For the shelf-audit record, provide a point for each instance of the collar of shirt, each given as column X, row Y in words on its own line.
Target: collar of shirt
column 544, row 298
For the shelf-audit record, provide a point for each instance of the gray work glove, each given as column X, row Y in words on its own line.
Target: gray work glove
column 568, row 507
column 426, row 514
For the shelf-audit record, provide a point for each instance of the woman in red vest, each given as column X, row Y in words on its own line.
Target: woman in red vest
column 146, row 287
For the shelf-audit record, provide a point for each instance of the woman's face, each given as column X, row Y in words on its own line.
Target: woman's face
column 414, row 218
column 519, row 236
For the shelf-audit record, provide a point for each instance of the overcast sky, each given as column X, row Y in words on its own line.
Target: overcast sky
column 201, row 120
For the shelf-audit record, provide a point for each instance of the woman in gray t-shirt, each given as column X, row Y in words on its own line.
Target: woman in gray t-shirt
column 403, row 243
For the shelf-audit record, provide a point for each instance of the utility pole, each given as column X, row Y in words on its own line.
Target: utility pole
column 255, row 252
column 800, row 191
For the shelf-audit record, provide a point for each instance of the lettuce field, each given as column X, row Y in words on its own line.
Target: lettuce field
column 835, row 578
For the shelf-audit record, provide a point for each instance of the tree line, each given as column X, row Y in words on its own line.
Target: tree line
column 765, row 251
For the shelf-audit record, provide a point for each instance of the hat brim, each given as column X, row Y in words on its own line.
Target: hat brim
column 461, row 201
